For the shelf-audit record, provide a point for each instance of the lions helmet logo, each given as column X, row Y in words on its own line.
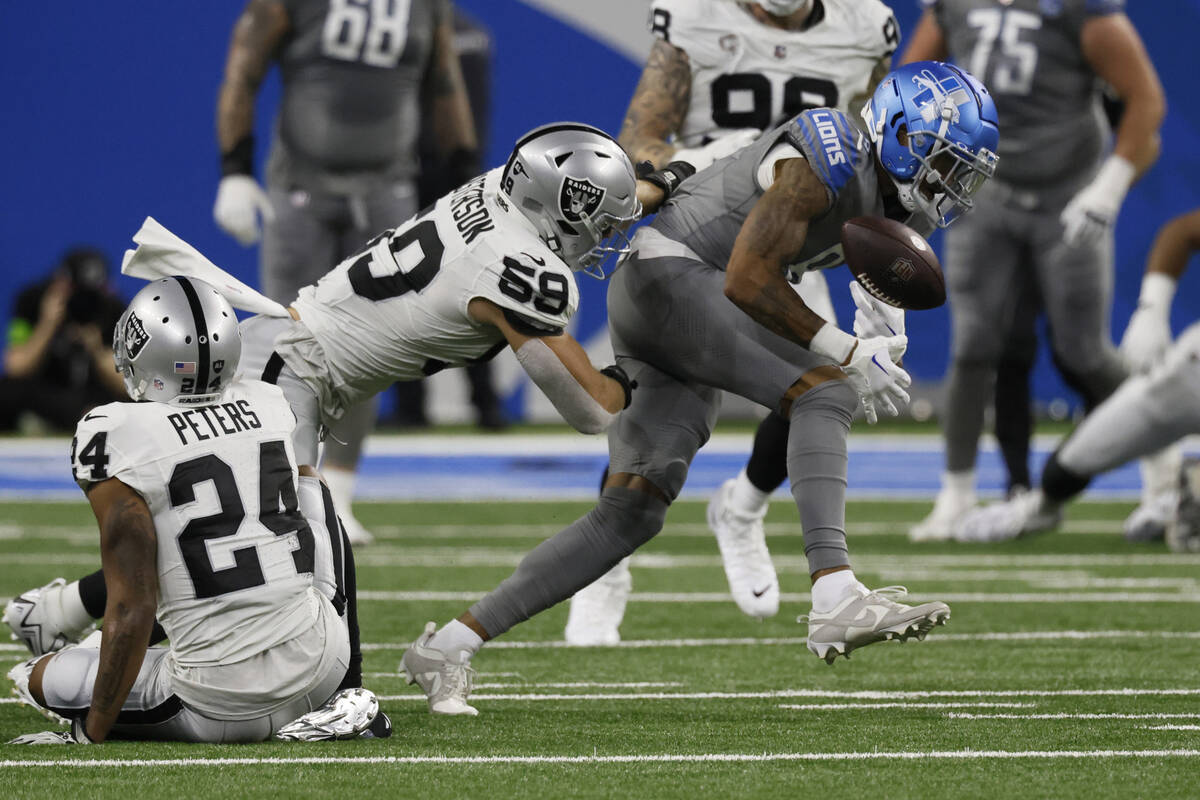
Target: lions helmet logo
column 579, row 198
column 134, row 337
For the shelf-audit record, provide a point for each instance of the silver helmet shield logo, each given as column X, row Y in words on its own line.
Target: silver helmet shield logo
column 134, row 337
column 579, row 198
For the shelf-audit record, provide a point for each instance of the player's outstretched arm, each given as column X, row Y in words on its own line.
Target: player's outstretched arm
column 1148, row 335
column 928, row 43
column 659, row 105
column 587, row 398
column 128, row 553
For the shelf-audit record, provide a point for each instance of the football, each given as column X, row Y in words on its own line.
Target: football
column 893, row 263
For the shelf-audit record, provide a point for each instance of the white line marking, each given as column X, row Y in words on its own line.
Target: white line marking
column 852, row 706
column 1171, row 727
column 804, row 597
column 685, row 758
column 585, row 685
column 1064, row 715
column 1018, row 636
column 784, row 694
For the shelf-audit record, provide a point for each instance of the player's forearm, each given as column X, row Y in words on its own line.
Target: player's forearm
column 122, row 650
column 928, row 42
column 1138, row 141
column 23, row 360
column 1174, row 245
column 453, row 122
column 256, row 34
column 658, row 107
column 770, row 301
column 604, row 390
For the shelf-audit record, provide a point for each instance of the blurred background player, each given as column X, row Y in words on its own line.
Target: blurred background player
column 1043, row 227
column 343, row 161
column 473, row 43
column 58, row 352
column 254, row 644
column 1153, row 409
column 720, row 73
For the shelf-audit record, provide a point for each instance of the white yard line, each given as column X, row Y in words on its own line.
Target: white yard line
column 1065, row 715
column 1171, row 727
column 783, row 694
column 804, row 597
column 854, row 706
column 668, row 758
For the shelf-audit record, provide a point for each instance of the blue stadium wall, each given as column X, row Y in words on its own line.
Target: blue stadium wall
column 110, row 117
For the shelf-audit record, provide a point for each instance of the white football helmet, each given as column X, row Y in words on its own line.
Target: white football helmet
column 783, row 8
column 578, row 187
column 177, row 342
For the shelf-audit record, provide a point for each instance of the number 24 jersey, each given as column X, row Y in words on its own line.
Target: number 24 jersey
column 398, row 310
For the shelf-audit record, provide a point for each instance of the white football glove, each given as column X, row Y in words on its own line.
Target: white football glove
column 1148, row 335
column 874, row 317
column 76, row 735
column 728, row 144
column 874, row 375
column 1093, row 211
column 240, row 202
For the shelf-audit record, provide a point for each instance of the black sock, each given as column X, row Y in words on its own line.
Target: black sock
column 1060, row 484
column 767, row 467
column 353, row 678
column 94, row 594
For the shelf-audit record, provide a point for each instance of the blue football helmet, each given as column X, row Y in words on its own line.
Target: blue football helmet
column 935, row 131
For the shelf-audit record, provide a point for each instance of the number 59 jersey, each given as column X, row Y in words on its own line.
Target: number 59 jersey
column 398, row 310
column 235, row 556
column 749, row 75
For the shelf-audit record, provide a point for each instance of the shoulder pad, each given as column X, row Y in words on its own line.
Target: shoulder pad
column 535, row 286
column 830, row 143
column 98, row 449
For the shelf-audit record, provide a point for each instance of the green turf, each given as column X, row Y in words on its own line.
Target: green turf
column 448, row 547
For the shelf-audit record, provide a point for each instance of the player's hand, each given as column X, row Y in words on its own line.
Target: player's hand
column 240, row 203
column 1147, row 338
column 76, row 735
column 874, row 317
column 874, row 375
column 730, row 143
column 1093, row 211
column 54, row 303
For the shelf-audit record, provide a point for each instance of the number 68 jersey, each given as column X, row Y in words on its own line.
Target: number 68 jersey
column 235, row 556
column 398, row 309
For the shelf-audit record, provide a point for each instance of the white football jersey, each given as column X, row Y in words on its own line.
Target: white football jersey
column 398, row 309
column 749, row 75
column 235, row 557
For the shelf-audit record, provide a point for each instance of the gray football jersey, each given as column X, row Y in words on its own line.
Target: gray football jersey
column 352, row 72
column 708, row 210
column 1028, row 54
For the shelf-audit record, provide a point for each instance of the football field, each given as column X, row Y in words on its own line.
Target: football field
column 1070, row 668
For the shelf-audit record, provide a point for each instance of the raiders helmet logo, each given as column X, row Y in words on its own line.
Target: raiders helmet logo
column 134, row 337
column 579, row 198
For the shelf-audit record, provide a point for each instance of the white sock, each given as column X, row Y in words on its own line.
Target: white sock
column 829, row 589
column 341, row 488
column 960, row 483
column 746, row 497
column 75, row 616
column 457, row 641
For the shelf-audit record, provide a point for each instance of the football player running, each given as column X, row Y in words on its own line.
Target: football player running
column 719, row 74
column 489, row 265
column 1155, row 408
column 205, row 524
column 704, row 305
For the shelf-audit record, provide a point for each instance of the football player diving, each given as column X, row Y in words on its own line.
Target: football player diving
column 210, row 536
column 704, row 305
column 719, row 74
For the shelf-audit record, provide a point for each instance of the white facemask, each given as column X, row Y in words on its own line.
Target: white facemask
column 783, row 8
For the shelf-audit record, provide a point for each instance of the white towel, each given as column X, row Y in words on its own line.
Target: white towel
column 162, row 254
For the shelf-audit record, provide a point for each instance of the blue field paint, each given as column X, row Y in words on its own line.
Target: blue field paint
column 568, row 467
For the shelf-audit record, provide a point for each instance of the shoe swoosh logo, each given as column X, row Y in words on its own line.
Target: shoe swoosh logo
column 868, row 619
column 762, row 591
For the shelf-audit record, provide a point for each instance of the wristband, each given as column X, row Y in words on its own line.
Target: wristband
column 1158, row 290
column 669, row 177
column 239, row 160
column 619, row 375
column 1114, row 178
column 833, row 342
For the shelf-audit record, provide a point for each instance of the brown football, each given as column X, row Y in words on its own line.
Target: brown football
column 893, row 263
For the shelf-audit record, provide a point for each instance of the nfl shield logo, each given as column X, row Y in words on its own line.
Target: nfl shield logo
column 134, row 336
column 579, row 198
column 780, row 52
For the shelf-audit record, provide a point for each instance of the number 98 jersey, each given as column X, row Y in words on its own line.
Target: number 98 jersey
column 749, row 75
column 235, row 556
column 397, row 310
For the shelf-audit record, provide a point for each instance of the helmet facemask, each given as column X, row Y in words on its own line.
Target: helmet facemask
column 947, row 178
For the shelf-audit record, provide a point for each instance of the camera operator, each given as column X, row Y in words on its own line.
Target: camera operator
column 58, row 353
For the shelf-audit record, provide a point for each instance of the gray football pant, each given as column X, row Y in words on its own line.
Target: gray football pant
column 311, row 233
column 1145, row 415
column 1008, row 252
column 682, row 341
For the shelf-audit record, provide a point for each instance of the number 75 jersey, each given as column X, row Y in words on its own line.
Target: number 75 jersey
column 397, row 310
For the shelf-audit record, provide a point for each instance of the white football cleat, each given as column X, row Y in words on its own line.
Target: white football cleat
column 343, row 716
column 598, row 608
column 949, row 507
column 447, row 684
column 1022, row 514
column 1183, row 528
column 36, row 617
column 1148, row 522
column 866, row 616
column 19, row 675
column 743, row 543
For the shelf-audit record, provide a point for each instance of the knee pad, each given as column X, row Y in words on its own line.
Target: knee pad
column 836, row 398
column 634, row 516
